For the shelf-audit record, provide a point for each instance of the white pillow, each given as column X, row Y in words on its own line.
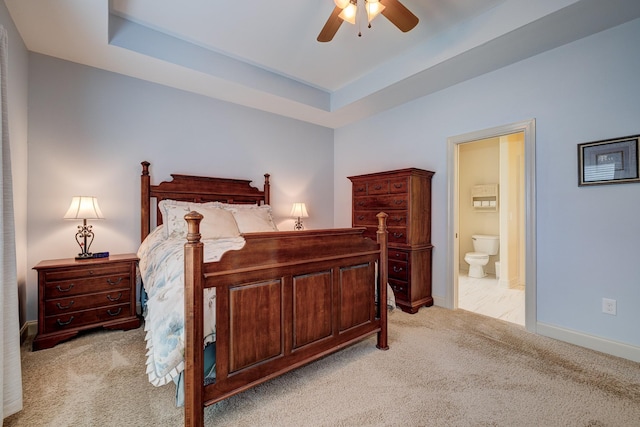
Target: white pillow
column 254, row 219
column 173, row 218
column 217, row 223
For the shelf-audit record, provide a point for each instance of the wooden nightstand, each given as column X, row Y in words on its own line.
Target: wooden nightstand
column 75, row 295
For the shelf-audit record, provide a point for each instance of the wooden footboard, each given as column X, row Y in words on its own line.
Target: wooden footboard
column 284, row 300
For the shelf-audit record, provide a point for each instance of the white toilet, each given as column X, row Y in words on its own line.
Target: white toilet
column 483, row 245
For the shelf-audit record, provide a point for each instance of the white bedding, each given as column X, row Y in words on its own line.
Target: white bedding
column 162, row 271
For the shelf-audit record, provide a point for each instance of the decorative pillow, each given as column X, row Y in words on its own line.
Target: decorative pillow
column 254, row 219
column 217, row 223
column 173, row 218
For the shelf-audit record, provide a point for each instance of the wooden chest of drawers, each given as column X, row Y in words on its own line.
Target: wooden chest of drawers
column 74, row 295
column 405, row 195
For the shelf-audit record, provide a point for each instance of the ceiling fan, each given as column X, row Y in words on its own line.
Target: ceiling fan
column 347, row 10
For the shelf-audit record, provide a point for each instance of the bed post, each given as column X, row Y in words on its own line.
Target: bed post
column 193, row 328
column 145, row 202
column 267, row 189
column 383, row 271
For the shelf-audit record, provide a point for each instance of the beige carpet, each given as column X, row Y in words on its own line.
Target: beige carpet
column 444, row 368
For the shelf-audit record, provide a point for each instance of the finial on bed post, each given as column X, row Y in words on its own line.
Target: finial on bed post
column 193, row 219
column 383, row 272
column 193, row 329
column 145, row 207
column 267, row 189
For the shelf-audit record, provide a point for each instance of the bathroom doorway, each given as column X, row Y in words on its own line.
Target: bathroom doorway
column 491, row 192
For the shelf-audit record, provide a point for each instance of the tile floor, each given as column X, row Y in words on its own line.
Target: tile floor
column 485, row 296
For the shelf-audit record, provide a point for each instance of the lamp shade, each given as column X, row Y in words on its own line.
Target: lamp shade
column 299, row 210
column 374, row 8
column 84, row 207
column 349, row 13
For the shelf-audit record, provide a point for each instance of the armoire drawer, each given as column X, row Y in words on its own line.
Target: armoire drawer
column 397, row 201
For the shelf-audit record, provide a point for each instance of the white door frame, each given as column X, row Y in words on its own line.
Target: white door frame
column 529, row 129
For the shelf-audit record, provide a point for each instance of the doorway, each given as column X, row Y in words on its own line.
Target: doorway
column 514, row 172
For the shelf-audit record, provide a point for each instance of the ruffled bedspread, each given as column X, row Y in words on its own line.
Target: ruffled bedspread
column 162, row 272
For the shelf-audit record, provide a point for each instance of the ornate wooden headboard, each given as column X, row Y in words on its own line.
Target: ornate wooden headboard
column 197, row 189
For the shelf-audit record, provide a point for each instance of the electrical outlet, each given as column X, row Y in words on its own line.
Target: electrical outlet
column 609, row 306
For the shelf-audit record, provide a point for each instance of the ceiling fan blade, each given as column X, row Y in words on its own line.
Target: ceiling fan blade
column 399, row 15
column 331, row 26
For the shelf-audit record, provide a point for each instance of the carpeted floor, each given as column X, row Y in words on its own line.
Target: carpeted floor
column 444, row 368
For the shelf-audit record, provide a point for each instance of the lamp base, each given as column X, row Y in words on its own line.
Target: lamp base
column 88, row 255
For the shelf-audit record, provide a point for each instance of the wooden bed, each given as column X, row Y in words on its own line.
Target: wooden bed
column 284, row 300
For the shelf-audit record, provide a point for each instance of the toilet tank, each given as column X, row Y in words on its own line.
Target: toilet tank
column 486, row 243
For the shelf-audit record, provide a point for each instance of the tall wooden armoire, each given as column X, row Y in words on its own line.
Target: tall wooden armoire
column 405, row 195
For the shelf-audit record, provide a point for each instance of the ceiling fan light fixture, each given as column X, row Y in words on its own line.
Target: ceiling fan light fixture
column 341, row 3
column 347, row 10
column 349, row 13
column 374, row 8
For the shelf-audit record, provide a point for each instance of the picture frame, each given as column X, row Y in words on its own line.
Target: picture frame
column 609, row 161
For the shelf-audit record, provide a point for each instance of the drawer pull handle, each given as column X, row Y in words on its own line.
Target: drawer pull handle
column 397, row 269
column 398, row 235
column 112, row 299
column 398, row 185
column 361, row 203
column 116, row 282
column 116, row 313
column 61, row 307
column 377, row 187
column 398, row 202
column 360, row 189
column 64, row 290
column 397, row 255
column 64, row 323
column 397, row 218
column 361, row 217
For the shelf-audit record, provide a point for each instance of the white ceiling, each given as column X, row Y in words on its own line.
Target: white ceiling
column 264, row 54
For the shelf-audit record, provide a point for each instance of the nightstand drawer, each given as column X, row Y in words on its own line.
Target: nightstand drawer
column 78, row 286
column 87, row 271
column 86, row 317
column 83, row 302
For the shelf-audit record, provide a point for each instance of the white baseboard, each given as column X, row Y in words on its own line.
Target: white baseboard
column 603, row 345
column 29, row 329
column 614, row 348
column 439, row 301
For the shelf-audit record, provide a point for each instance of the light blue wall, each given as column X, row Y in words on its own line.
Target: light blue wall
column 89, row 130
column 587, row 237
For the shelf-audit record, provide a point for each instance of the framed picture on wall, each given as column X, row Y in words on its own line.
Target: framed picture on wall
column 610, row 161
